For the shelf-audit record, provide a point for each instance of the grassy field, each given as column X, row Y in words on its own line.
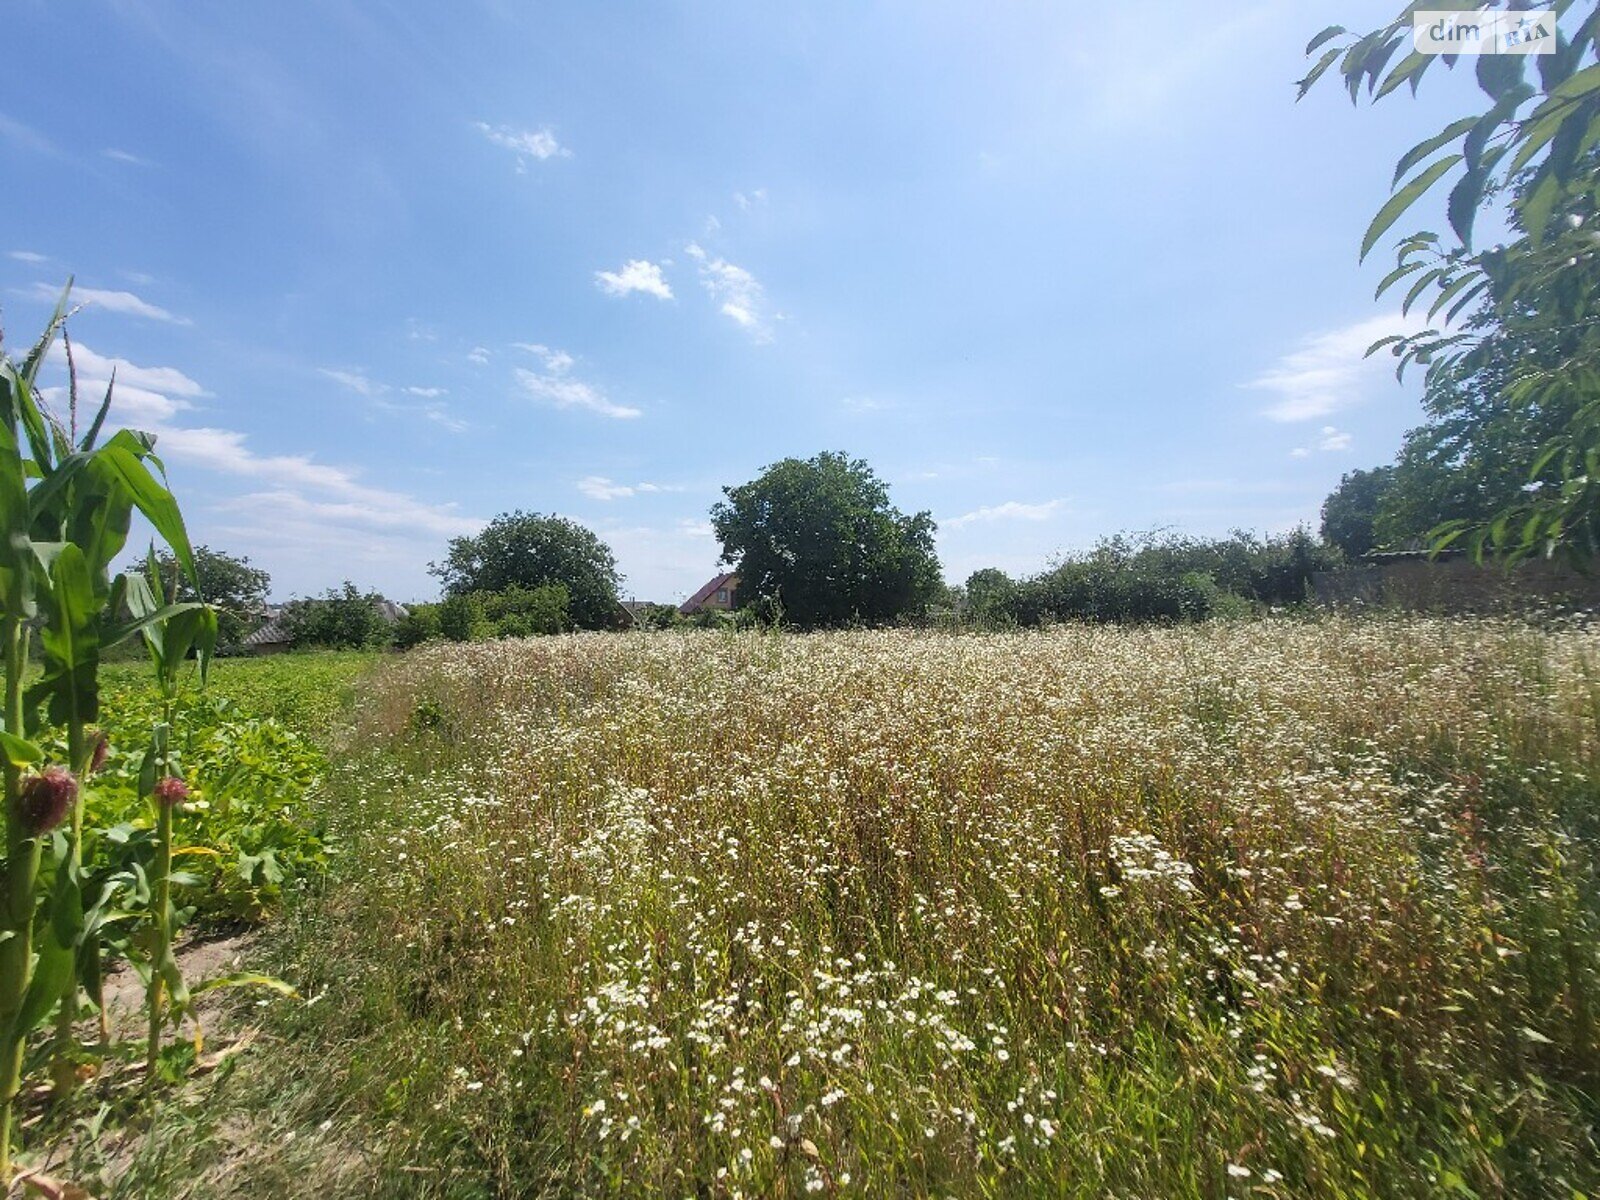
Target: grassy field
column 1263, row 909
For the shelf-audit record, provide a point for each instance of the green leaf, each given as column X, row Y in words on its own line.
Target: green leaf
column 1316, row 73
column 1422, row 149
column 1410, row 68
column 1462, row 207
column 18, row 750
column 1396, row 275
column 1498, row 74
column 1404, row 199
column 1327, row 35
column 1420, row 286
column 36, row 356
column 154, row 501
column 93, row 434
column 51, row 975
column 1536, row 207
column 246, row 979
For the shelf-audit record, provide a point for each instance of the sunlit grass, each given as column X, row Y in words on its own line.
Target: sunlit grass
column 1268, row 909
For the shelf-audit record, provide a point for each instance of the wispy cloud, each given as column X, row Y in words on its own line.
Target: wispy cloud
column 1328, row 372
column 565, row 392
column 355, row 381
column 154, row 397
column 96, row 368
column 123, row 303
column 747, row 201
column 637, row 275
column 479, row 356
column 538, row 144
column 598, row 487
column 1330, row 440
column 28, row 256
column 1011, row 510
column 123, row 156
column 554, row 360
column 26, row 137
column 738, row 293
column 378, row 393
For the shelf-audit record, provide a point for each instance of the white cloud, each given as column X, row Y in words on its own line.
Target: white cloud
column 123, row 156
column 96, row 370
column 747, row 202
column 125, row 303
column 554, row 360
column 26, row 137
column 135, row 406
column 479, row 355
column 538, row 144
column 1333, row 439
column 740, row 293
column 355, row 381
column 1299, row 452
column 28, row 256
column 348, row 499
column 598, row 487
column 565, row 392
column 427, row 393
column 637, row 275
column 1329, row 372
column 1011, row 510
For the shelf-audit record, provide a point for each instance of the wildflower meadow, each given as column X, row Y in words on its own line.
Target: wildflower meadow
column 1277, row 909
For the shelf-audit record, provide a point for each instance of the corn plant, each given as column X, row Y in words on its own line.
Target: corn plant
column 66, row 505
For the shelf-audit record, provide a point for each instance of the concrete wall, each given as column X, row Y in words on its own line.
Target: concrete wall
column 1456, row 585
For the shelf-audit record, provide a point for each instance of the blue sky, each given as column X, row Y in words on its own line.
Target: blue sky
column 377, row 272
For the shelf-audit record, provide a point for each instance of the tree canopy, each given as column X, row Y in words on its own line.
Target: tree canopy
column 531, row 551
column 1350, row 514
column 229, row 584
column 818, row 541
column 1515, row 338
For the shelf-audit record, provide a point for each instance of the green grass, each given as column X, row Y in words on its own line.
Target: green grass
column 1273, row 909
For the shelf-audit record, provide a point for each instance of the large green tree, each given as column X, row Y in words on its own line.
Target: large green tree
column 1518, row 318
column 1350, row 513
column 818, row 540
column 237, row 590
column 527, row 550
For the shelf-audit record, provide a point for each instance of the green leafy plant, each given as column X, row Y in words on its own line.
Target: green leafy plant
column 66, row 505
column 1515, row 317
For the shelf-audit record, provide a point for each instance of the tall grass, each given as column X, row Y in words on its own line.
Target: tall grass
column 1272, row 909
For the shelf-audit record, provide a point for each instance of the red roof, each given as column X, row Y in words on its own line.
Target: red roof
column 693, row 603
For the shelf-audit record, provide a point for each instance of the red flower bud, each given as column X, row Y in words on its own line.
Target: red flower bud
column 45, row 800
column 102, row 750
column 171, row 792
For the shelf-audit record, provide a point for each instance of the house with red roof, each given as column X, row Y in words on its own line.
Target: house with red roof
column 715, row 596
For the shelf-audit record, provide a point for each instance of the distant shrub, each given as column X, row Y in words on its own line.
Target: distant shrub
column 515, row 611
column 341, row 619
column 420, row 624
column 1153, row 578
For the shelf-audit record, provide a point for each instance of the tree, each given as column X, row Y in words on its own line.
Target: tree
column 818, row 541
column 1350, row 513
column 341, row 619
column 1531, row 151
column 1475, row 455
column 229, row 584
column 527, row 550
column 990, row 593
